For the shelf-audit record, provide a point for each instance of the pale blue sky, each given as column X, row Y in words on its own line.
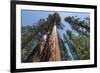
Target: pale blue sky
column 30, row 17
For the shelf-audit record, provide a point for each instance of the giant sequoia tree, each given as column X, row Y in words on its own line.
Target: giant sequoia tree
column 38, row 30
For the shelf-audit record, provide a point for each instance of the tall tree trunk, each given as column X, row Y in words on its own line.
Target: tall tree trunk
column 54, row 49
